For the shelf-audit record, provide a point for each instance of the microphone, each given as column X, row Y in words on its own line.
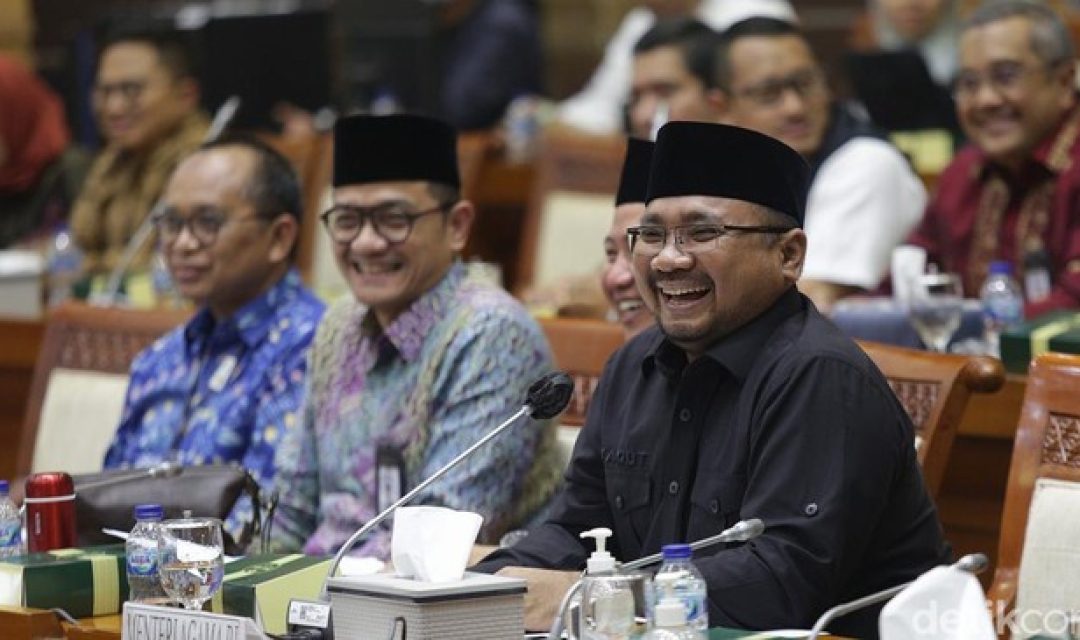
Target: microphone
column 222, row 117
column 973, row 563
column 741, row 531
column 546, row 398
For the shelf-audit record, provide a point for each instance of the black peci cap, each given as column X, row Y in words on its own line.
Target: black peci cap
column 395, row 147
column 701, row 159
column 634, row 181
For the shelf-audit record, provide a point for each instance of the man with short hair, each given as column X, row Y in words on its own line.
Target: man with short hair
column 672, row 76
column 864, row 197
column 616, row 279
column 743, row 403
column 424, row 359
column 146, row 100
column 598, row 108
column 1012, row 194
column 225, row 386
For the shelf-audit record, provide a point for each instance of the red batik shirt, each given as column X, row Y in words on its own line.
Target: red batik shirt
column 980, row 214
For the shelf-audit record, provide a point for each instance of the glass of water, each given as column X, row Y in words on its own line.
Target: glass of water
column 192, row 559
column 935, row 308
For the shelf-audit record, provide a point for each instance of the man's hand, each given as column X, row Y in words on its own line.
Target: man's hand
column 546, row 589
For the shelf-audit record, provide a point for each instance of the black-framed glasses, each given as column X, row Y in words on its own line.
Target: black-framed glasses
column 129, row 90
column 1004, row 78
column 808, row 82
column 204, row 225
column 393, row 222
column 649, row 240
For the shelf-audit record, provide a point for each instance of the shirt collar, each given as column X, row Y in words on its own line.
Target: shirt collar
column 406, row 333
column 251, row 322
column 737, row 351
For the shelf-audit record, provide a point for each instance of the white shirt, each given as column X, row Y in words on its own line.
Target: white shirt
column 864, row 201
column 598, row 108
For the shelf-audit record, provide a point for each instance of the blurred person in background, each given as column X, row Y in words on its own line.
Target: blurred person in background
column 864, row 197
column 599, row 107
column 1012, row 194
column 931, row 27
column 494, row 55
column 673, row 76
column 145, row 98
column 40, row 172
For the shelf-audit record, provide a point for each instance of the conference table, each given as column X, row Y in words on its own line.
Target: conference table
column 26, row 624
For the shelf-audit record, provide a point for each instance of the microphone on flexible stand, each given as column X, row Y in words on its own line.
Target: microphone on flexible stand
column 107, row 298
column 741, row 531
column 546, row 398
column 974, row 563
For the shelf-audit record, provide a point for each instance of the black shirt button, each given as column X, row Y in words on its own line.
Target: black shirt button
column 714, row 506
column 810, row 509
column 685, row 415
column 619, row 502
column 673, row 488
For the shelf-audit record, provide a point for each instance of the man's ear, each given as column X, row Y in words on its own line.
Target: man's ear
column 718, row 103
column 187, row 92
column 792, row 253
column 285, row 234
column 459, row 223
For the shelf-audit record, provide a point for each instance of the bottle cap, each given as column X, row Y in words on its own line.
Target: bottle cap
column 1000, row 267
column 149, row 512
column 4, row 487
column 675, row 551
column 670, row 612
column 600, row 560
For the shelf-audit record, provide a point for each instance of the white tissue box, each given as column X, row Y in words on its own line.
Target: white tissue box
column 477, row 606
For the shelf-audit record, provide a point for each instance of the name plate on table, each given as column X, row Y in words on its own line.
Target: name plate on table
column 147, row 621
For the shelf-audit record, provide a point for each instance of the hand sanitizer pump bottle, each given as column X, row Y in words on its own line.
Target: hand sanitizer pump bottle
column 607, row 598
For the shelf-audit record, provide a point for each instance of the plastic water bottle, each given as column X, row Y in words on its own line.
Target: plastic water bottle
column 64, row 263
column 522, row 127
column 685, row 584
column 1002, row 303
column 669, row 614
column 10, row 524
column 143, row 570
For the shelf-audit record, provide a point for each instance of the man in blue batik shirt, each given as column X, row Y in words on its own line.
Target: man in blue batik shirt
column 225, row 386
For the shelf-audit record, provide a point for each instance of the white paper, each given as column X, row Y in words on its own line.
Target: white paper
column 944, row 603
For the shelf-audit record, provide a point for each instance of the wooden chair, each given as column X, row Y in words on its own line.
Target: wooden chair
column 934, row 389
column 1047, row 445
column 570, row 207
column 87, row 352
column 581, row 349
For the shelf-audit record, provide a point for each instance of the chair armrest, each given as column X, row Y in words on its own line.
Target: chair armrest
column 983, row 374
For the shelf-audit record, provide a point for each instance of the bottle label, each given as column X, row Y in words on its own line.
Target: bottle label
column 142, row 559
column 9, row 533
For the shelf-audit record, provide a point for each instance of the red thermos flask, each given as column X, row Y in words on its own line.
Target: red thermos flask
column 50, row 511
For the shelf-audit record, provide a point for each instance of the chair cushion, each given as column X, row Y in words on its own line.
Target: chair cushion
column 79, row 416
column 572, row 230
column 1050, row 562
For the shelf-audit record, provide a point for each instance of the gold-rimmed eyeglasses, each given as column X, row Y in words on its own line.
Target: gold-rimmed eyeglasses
column 649, row 240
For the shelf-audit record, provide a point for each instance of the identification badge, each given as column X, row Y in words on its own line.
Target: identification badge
column 390, row 475
column 222, row 373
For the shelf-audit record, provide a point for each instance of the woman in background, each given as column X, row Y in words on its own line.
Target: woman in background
column 40, row 173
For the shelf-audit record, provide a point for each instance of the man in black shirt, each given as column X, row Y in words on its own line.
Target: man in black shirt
column 743, row 403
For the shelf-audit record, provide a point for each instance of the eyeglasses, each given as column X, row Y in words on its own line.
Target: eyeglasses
column 392, row 222
column 204, row 225
column 129, row 91
column 1003, row 77
column 806, row 83
column 649, row 240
